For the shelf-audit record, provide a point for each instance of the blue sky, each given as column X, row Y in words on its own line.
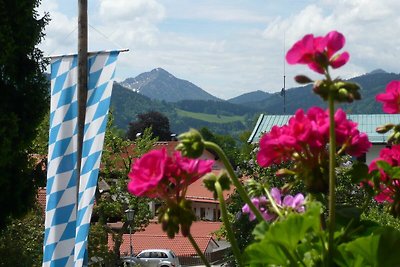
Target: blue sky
column 227, row 47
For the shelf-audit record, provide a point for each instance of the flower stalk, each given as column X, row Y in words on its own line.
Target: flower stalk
column 228, row 226
column 332, row 177
column 273, row 203
column 234, row 178
column 199, row 252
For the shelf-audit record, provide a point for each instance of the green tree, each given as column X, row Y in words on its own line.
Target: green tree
column 226, row 142
column 111, row 204
column 21, row 240
column 23, row 101
column 158, row 122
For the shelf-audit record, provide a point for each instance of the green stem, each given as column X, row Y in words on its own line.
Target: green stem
column 332, row 178
column 228, row 227
column 234, row 179
column 199, row 252
column 273, row 203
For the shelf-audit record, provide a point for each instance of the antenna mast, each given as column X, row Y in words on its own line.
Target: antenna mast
column 283, row 92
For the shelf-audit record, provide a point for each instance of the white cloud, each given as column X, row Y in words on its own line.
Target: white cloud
column 229, row 47
column 369, row 27
column 61, row 31
column 131, row 11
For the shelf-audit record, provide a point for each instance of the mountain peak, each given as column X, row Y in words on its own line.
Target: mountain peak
column 377, row 71
column 162, row 85
column 159, row 70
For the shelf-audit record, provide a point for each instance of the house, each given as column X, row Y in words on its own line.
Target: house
column 205, row 207
column 208, row 214
column 203, row 202
column 367, row 123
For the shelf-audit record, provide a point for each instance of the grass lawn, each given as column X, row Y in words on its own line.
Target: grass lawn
column 210, row 117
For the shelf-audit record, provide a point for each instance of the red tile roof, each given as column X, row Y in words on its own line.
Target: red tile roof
column 153, row 237
column 197, row 192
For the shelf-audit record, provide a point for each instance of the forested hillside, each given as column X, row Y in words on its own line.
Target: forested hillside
column 303, row 97
column 223, row 117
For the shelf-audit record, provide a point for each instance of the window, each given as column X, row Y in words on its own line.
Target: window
column 202, row 213
column 144, row 255
column 163, row 255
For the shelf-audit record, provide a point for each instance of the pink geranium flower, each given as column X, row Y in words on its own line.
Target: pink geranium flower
column 156, row 174
column 319, row 52
column 306, row 136
column 389, row 187
column 391, row 98
column 147, row 172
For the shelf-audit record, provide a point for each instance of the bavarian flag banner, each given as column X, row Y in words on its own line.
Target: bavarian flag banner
column 68, row 216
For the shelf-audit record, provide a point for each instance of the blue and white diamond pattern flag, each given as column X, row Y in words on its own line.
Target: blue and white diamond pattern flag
column 66, row 229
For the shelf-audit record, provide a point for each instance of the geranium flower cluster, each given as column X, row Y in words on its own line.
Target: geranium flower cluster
column 304, row 141
column 286, row 203
column 319, row 52
column 158, row 175
column 306, row 136
column 389, row 187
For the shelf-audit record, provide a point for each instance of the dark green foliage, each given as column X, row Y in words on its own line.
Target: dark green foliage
column 23, row 101
column 158, row 123
column 127, row 105
column 21, row 241
column 246, row 98
column 226, row 142
column 303, row 97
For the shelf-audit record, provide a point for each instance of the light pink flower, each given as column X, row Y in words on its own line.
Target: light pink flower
column 296, row 202
column 265, row 207
column 391, row 98
column 261, row 204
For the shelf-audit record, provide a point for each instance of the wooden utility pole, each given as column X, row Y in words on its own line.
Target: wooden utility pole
column 82, row 80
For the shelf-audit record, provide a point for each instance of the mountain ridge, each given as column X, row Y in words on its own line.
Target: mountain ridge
column 127, row 104
column 161, row 85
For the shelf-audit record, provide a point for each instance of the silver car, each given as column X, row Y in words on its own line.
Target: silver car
column 155, row 258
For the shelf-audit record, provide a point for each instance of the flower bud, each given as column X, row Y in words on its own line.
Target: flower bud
column 343, row 94
column 210, row 180
column 394, row 138
column 191, row 144
column 322, row 89
column 302, row 79
column 285, row 172
column 384, row 128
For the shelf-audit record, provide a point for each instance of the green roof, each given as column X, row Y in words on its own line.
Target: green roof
column 367, row 123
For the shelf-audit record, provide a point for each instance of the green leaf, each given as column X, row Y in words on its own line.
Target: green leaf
column 279, row 244
column 394, row 172
column 376, row 249
column 345, row 213
column 358, row 172
column 383, row 165
column 260, row 230
column 263, row 254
